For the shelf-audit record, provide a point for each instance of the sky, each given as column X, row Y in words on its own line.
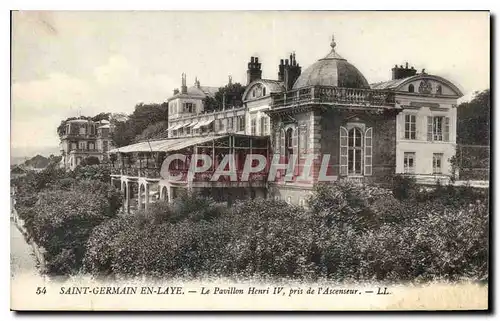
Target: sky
column 70, row 63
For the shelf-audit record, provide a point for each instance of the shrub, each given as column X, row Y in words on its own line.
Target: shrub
column 404, row 187
column 63, row 221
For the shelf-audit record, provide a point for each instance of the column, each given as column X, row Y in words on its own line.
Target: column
column 139, row 200
column 146, row 190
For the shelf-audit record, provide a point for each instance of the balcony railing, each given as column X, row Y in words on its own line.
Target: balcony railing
column 136, row 172
column 334, row 95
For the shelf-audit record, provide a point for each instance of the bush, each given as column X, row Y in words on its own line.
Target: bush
column 404, row 187
column 349, row 232
column 64, row 219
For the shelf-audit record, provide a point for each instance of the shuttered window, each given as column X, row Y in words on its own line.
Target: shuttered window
column 368, row 151
column 438, row 128
column 343, row 151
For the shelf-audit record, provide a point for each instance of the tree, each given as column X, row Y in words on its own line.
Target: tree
column 91, row 160
column 143, row 116
column 229, row 95
column 473, row 125
column 101, row 116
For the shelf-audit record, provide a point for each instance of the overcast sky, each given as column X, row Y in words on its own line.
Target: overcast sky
column 66, row 63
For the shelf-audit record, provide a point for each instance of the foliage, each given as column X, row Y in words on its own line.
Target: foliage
column 91, row 160
column 473, row 120
column 348, row 231
column 404, row 187
column 154, row 131
column 144, row 115
column 61, row 208
column 63, row 222
column 229, row 95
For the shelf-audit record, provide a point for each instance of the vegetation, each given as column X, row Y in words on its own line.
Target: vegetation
column 144, row 115
column 473, row 125
column 60, row 209
column 347, row 232
column 229, row 95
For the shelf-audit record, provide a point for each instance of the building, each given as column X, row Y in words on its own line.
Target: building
column 83, row 138
column 328, row 121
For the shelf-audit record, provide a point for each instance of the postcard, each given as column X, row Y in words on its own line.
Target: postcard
column 250, row 160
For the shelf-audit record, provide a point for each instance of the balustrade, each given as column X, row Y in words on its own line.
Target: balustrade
column 341, row 95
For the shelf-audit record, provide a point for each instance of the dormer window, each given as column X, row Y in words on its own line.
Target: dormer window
column 439, row 90
column 411, row 88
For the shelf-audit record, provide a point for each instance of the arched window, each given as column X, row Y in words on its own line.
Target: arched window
column 264, row 91
column 355, row 152
column 439, row 90
column 288, row 142
column 411, row 88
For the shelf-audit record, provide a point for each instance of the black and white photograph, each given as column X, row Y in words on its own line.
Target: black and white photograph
column 250, row 160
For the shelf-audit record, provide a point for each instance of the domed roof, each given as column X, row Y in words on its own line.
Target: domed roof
column 332, row 70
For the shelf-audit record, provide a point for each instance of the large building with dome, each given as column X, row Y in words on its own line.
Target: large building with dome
column 328, row 120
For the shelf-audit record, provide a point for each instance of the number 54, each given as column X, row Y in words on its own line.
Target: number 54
column 41, row 290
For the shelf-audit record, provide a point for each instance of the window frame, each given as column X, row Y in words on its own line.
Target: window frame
column 435, row 158
column 407, row 169
column 410, row 119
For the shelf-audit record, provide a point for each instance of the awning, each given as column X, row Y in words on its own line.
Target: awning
column 203, row 123
column 166, row 145
column 175, row 127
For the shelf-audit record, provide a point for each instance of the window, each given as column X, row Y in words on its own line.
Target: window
column 253, row 125
column 355, row 152
column 411, row 88
column 437, row 163
column 438, row 128
column 410, row 127
column 91, row 146
column 188, row 107
column 221, row 124
column 230, row 124
column 439, row 90
column 302, row 202
column 82, row 130
column 82, row 145
column 264, row 91
column 289, row 142
column 241, row 123
column 264, row 130
column 289, row 200
column 277, row 198
column 73, row 146
column 303, row 139
column 409, row 162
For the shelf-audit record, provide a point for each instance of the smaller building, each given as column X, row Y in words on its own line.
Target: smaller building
column 83, row 138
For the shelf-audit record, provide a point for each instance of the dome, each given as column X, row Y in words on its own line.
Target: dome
column 332, row 70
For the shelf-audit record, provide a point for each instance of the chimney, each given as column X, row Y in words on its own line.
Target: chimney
column 196, row 82
column 184, row 87
column 403, row 72
column 291, row 71
column 254, row 71
column 281, row 70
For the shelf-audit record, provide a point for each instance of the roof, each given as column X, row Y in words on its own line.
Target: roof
column 397, row 83
column 390, row 84
column 332, row 70
column 165, row 145
column 273, row 85
column 195, row 92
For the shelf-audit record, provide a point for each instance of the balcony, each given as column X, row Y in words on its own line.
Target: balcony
column 335, row 96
